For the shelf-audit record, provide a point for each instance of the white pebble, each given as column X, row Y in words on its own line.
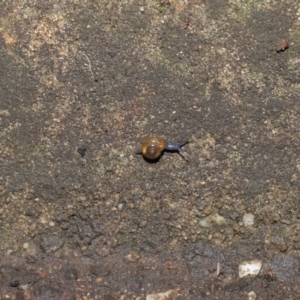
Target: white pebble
column 251, row 296
column 250, row 268
column 248, row 219
column 161, row 296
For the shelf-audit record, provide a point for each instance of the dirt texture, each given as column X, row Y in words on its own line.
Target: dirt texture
column 83, row 82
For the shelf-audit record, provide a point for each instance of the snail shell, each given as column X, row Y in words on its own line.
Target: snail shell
column 152, row 147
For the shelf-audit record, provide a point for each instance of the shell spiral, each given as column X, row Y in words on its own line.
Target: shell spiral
column 152, row 147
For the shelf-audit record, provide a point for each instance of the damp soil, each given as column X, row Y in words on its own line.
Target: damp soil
column 82, row 83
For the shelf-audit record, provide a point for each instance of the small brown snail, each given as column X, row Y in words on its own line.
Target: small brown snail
column 282, row 46
column 153, row 147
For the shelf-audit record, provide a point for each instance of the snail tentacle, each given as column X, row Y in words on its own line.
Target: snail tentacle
column 175, row 147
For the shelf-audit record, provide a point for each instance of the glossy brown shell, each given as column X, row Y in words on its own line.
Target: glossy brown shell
column 152, row 147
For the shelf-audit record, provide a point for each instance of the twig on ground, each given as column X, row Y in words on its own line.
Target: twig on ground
column 89, row 64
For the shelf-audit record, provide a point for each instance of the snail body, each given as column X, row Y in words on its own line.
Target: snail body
column 153, row 147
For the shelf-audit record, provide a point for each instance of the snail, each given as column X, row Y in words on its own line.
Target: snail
column 282, row 46
column 153, row 147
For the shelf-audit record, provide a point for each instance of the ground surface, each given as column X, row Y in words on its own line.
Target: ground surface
column 99, row 76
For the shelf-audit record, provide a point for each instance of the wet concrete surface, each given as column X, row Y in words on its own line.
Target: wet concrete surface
column 82, row 83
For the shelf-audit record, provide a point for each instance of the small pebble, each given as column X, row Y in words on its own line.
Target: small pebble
column 81, row 151
column 248, row 219
column 162, row 296
column 279, row 243
column 250, row 268
column 14, row 283
column 252, row 296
